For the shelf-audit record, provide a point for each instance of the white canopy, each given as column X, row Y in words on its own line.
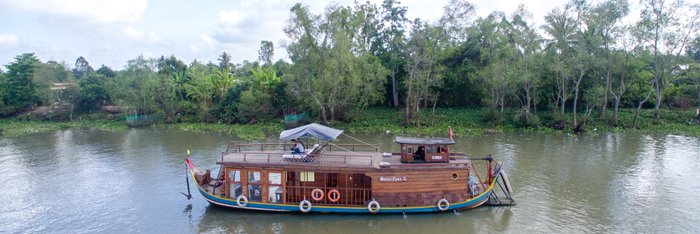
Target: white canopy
column 314, row 129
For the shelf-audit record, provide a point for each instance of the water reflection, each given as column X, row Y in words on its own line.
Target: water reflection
column 222, row 220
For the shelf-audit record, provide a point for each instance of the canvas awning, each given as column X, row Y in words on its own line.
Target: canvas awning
column 315, row 130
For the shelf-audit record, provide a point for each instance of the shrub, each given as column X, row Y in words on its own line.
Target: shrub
column 494, row 117
column 526, row 120
column 555, row 120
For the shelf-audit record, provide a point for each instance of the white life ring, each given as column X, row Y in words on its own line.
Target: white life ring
column 305, row 206
column 443, row 204
column 373, row 207
column 242, row 200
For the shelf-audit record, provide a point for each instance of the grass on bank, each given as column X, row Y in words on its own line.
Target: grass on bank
column 464, row 122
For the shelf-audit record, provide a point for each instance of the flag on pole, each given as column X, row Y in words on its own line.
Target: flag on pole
column 451, row 133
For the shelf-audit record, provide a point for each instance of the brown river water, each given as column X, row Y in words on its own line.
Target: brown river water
column 89, row 181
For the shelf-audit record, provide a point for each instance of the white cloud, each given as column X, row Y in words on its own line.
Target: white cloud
column 153, row 37
column 8, row 39
column 95, row 11
column 140, row 36
column 194, row 48
column 132, row 33
column 232, row 17
column 211, row 42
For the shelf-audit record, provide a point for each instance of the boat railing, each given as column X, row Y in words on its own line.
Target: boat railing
column 353, row 147
column 326, row 159
column 348, row 196
column 284, row 146
column 457, row 155
column 260, row 147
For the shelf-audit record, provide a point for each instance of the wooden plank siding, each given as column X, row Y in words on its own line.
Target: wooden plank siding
column 420, row 188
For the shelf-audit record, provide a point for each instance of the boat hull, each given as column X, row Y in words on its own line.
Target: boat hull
column 230, row 203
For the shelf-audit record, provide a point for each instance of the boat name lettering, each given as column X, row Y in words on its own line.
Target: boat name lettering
column 393, row 178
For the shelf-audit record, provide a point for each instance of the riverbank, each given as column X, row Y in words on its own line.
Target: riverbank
column 464, row 122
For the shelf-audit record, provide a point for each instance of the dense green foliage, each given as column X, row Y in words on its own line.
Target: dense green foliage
column 583, row 67
column 18, row 93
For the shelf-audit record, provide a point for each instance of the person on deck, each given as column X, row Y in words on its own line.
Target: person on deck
column 420, row 153
column 298, row 147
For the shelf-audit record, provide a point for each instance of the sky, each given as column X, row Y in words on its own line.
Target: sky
column 112, row 32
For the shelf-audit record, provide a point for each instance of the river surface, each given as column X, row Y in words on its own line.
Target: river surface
column 89, row 181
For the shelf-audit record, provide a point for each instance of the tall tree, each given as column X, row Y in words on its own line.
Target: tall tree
column 498, row 56
column 92, row 93
column 106, row 71
column 424, row 74
column 82, row 68
column 225, row 61
column 45, row 76
column 456, row 19
column 621, row 59
column 667, row 37
column 132, row 87
column 18, row 86
column 329, row 64
column 266, row 52
column 392, row 43
column 606, row 16
column 562, row 30
column 583, row 56
column 528, row 45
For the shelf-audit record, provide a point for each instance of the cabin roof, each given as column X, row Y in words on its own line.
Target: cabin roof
column 331, row 160
column 424, row 141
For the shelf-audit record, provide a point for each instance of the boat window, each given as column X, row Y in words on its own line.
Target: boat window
column 234, row 186
column 275, row 178
column 234, row 175
column 253, row 177
column 307, row 176
column 254, row 188
column 274, row 192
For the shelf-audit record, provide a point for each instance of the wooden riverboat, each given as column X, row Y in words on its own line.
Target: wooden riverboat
column 426, row 176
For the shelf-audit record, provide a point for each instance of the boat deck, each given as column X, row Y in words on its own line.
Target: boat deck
column 330, row 159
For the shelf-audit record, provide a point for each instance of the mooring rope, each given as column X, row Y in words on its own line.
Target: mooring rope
column 358, row 140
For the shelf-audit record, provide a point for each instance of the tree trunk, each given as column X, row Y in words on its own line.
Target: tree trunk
column 604, row 105
column 394, row 94
column 408, row 103
column 615, row 111
column 639, row 107
column 659, row 95
column 501, row 102
column 323, row 114
column 562, row 87
column 417, row 120
column 578, row 82
column 528, row 99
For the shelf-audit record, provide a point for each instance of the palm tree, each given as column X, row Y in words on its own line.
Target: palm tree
column 562, row 29
column 179, row 79
column 224, row 61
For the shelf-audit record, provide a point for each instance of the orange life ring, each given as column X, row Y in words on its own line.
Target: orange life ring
column 334, row 195
column 317, row 194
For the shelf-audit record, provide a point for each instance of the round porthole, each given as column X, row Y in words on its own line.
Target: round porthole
column 454, row 176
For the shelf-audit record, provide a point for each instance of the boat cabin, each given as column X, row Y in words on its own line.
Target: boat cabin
column 417, row 150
